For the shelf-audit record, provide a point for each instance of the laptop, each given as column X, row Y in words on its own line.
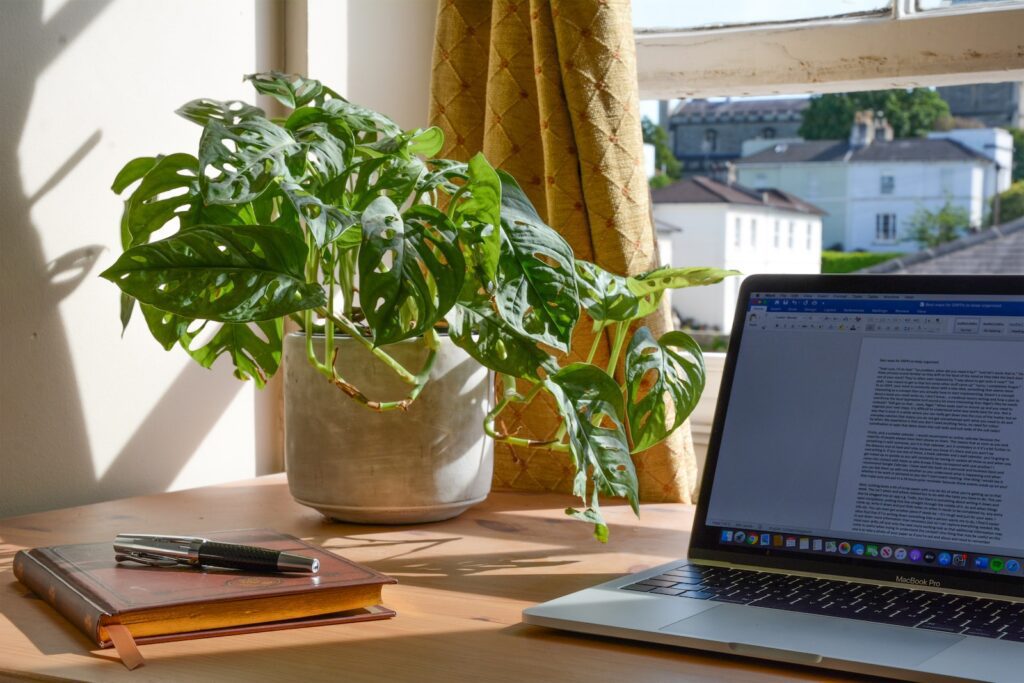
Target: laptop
column 862, row 505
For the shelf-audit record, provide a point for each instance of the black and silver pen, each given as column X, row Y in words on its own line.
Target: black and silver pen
column 168, row 551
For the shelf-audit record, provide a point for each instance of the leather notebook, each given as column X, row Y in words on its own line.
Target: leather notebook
column 121, row 604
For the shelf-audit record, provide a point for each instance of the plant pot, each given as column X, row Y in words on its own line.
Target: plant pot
column 428, row 463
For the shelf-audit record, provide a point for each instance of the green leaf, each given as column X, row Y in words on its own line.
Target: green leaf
column 605, row 296
column 440, row 173
column 476, row 328
column 323, row 221
column 203, row 110
column 363, row 120
column 670, row 368
column 590, row 402
column 415, row 259
column 536, row 286
column 166, row 328
column 481, row 209
column 593, row 516
column 132, row 171
column 238, row 162
column 290, row 90
column 321, row 153
column 169, row 190
column 254, row 348
column 426, row 142
column 221, row 273
column 660, row 279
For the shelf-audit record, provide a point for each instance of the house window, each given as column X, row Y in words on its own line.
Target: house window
column 753, row 232
column 810, row 236
column 888, row 184
column 737, row 233
column 792, row 230
column 885, row 227
column 778, row 235
column 768, row 133
column 710, row 140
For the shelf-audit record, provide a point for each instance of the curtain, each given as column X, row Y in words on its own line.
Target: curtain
column 548, row 91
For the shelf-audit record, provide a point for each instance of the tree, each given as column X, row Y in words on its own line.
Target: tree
column 932, row 228
column 1018, row 153
column 911, row 113
column 665, row 161
column 1011, row 202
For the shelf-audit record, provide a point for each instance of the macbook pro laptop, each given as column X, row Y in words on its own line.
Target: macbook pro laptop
column 862, row 504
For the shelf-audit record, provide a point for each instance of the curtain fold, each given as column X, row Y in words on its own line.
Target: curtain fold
column 547, row 90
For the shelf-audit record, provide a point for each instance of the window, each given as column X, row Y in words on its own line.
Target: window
column 885, row 227
column 778, row 232
column 888, row 184
column 753, row 232
column 737, row 233
column 710, row 140
column 792, row 230
column 810, row 236
column 768, row 133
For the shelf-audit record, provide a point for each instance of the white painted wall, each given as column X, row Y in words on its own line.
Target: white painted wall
column 917, row 186
column 86, row 415
column 709, row 238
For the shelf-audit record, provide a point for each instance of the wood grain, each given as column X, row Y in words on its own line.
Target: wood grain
column 462, row 587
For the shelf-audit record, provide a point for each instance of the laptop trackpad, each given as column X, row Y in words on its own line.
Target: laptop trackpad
column 813, row 635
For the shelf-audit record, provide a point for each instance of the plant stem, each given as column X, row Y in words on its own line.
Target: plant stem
column 598, row 334
column 621, row 329
column 513, row 440
column 350, row 327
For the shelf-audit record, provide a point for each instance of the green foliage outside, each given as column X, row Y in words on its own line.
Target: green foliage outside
column 665, row 163
column 932, row 228
column 1011, row 202
column 852, row 261
column 911, row 113
column 1018, row 153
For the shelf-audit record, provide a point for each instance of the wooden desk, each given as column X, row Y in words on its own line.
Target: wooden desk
column 463, row 585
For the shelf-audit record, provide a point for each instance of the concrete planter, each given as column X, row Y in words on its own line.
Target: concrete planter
column 429, row 463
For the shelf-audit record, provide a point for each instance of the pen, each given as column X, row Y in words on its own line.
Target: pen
column 168, row 551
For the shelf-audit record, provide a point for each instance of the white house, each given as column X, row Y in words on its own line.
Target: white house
column 727, row 225
column 871, row 185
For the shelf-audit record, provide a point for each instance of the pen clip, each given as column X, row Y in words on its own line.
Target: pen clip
column 146, row 560
column 157, row 550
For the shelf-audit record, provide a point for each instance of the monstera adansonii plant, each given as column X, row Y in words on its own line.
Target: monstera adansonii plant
column 335, row 217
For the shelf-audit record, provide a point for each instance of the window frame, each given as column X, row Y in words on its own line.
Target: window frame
column 900, row 49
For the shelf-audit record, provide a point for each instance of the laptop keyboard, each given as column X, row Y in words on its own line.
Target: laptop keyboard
column 900, row 606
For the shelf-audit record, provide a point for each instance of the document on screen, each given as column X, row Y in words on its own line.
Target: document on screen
column 934, row 441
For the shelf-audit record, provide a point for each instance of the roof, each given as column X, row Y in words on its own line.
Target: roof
column 724, row 109
column 996, row 251
column 702, row 190
column 905, row 149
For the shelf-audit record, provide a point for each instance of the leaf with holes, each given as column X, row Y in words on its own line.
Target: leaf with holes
column 221, row 273
column 363, row 121
column 413, row 258
column 535, row 282
column 590, row 402
column 476, row 328
column 238, row 162
column 203, row 110
column 480, row 211
column 658, row 371
column 169, row 189
column 593, row 516
column 660, row 279
column 254, row 348
column 291, row 90
column 166, row 328
column 606, row 296
column 324, row 222
column 441, row 174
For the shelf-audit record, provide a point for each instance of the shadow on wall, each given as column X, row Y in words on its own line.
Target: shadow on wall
column 39, row 390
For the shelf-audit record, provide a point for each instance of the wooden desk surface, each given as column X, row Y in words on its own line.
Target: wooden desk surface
column 463, row 586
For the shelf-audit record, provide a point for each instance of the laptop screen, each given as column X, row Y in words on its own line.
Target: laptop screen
column 879, row 428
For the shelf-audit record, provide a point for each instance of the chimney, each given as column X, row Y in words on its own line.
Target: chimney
column 731, row 176
column 883, row 129
column 862, row 133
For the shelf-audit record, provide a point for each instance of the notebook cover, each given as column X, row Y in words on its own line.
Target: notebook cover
column 89, row 588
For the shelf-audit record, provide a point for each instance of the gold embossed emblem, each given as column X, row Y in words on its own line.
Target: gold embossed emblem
column 254, row 582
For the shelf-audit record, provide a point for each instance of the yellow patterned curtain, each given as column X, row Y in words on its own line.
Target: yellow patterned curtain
column 547, row 90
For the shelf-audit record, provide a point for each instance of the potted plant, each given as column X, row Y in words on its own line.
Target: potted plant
column 335, row 218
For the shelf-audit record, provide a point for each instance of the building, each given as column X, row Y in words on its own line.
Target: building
column 997, row 251
column 730, row 226
column 871, row 185
column 997, row 105
column 706, row 134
